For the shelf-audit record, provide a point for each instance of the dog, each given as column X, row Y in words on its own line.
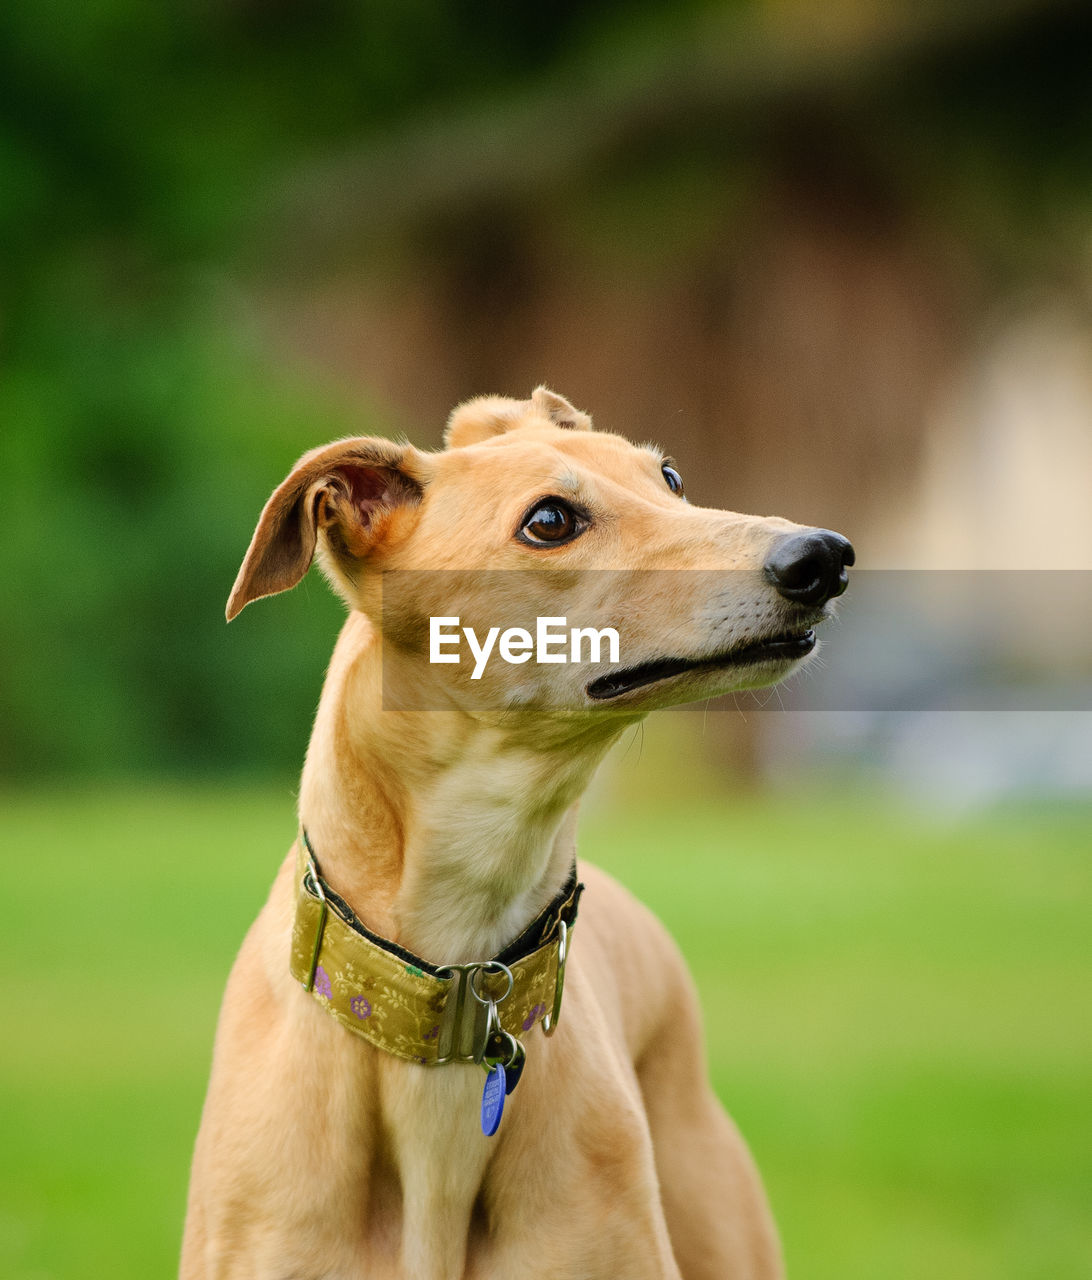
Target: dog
column 423, row 927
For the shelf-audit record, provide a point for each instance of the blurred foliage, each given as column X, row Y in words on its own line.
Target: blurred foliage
column 144, row 414
column 144, row 420
column 135, row 468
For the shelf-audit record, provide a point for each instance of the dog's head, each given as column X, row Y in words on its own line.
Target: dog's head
column 703, row 601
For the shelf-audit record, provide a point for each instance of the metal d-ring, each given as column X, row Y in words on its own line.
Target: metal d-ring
column 316, row 880
column 491, row 966
column 549, row 1020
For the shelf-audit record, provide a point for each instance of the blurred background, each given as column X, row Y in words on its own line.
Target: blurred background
column 838, row 260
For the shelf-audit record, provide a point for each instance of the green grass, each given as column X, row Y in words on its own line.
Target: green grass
column 897, row 1017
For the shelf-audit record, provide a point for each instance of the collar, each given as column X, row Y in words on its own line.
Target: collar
column 410, row 1007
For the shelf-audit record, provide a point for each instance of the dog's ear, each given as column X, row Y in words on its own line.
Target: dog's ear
column 489, row 416
column 482, row 418
column 351, row 491
column 556, row 409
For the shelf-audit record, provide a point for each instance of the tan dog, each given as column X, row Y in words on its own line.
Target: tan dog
column 447, row 830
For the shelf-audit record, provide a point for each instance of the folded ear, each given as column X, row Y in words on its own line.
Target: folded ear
column 548, row 404
column 487, row 416
column 352, row 491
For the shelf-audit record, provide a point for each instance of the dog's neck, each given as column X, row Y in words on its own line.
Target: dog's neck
column 442, row 833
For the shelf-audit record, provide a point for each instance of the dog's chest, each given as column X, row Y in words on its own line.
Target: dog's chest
column 441, row 1156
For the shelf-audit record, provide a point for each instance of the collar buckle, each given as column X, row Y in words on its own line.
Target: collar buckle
column 466, row 1025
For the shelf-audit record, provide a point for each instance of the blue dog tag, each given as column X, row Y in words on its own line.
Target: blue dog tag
column 493, row 1101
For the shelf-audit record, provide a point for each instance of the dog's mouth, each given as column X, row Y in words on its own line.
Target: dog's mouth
column 780, row 649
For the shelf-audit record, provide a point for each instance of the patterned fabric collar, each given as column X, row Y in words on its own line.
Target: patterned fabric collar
column 423, row 1012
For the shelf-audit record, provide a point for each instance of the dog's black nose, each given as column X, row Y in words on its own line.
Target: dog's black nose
column 810, row 567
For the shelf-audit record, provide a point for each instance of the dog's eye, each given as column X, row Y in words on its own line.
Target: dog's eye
column 674, row 480
column 551, row 522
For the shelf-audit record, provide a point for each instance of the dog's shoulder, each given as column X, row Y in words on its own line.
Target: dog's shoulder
column 632, row 960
